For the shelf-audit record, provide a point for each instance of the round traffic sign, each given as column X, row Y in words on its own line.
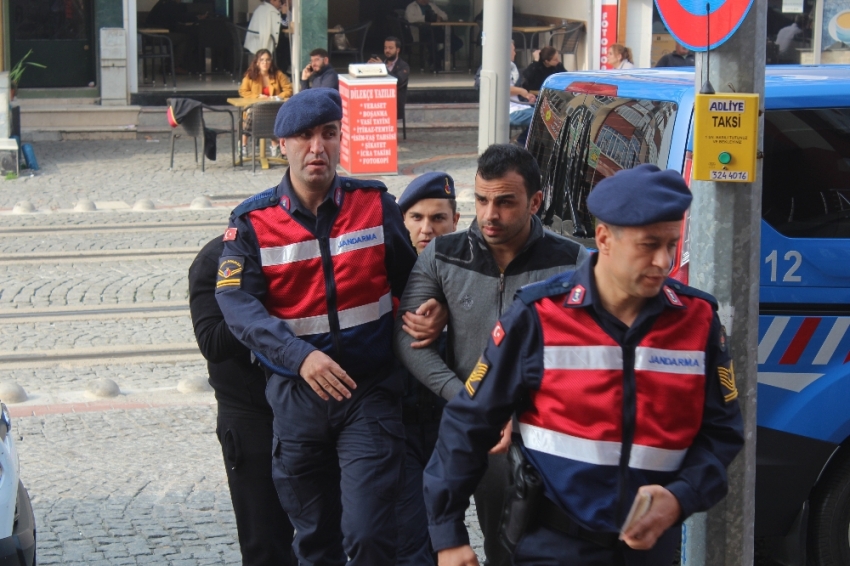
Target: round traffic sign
column 688, row 20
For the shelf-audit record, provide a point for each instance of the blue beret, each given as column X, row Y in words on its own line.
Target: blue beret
column 430, row 185
column 307, row 109
column 640, row 196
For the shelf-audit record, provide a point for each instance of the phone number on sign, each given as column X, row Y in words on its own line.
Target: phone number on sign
column 730, row 176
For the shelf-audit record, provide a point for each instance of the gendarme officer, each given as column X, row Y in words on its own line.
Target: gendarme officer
column 621, row 381
column 308, row 278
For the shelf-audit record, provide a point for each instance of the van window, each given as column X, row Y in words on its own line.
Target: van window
column 579, row 139
column 806, row 184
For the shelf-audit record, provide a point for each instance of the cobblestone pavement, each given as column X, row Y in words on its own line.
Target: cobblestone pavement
column 137, row 478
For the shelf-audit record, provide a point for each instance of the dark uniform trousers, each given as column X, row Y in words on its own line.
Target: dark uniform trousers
column 414, row 543
column 265, row 533
column 489, row 500
column 337, row 467
column 543, row 546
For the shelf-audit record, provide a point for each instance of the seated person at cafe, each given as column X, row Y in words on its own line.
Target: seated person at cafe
column 175, row 17
column 546, row 63
column 521, row 108
column 425, row 11
column 262, row 80
column 318, row 72
column 397, row 68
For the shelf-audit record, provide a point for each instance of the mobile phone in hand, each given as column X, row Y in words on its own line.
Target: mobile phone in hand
column 640, row 506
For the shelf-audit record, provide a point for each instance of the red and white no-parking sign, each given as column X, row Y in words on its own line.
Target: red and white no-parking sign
column 688, row 20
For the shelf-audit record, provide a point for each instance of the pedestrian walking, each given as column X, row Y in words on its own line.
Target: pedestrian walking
column 430, row 210
column 244, row 421
column 624, row 388
column 476, row 273
column 308, row 278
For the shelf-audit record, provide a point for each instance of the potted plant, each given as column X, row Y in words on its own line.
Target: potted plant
column 18, row 70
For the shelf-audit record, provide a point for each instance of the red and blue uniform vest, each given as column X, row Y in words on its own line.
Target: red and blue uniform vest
column 333, row 291
column 608, row 419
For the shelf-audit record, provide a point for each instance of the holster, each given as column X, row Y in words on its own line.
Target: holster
column 522, row 499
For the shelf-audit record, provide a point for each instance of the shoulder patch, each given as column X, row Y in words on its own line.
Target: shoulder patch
column 726, row 375
column 555, row 285
column 687, row 291
column 229, row 235
column 473, row 382
column 229, row 274
column 349, row 184
column 498, row 334
column 264, row 199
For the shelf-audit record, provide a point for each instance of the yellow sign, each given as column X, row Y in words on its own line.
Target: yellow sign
column 725, row 137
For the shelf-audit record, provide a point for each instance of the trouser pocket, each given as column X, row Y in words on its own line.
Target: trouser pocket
column 283, row 483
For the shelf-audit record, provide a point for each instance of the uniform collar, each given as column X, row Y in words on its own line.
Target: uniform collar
column 290, row 202
column 583, row 293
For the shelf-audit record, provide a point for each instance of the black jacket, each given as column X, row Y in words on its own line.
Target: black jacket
column 534, row 75
column 674, row 60
column 237, row 382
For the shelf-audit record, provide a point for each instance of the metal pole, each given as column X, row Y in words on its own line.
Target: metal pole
column 817, row 28
column 294, row 38
column 494, row 106
column 725, row 240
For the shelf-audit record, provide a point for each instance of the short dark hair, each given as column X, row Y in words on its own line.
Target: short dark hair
column 499, row 159
column 395, row 40
column 319, row 52
column 547, row 53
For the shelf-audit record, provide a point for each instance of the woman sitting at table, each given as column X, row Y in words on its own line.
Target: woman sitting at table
column 262, row 80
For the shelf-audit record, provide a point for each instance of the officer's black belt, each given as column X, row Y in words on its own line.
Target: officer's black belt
column 553, row 517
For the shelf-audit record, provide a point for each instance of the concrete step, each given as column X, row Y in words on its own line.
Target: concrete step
column 152, row 119
column 41, row 121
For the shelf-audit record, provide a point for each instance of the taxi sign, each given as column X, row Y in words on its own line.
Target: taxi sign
column 688, row 22
column 725, row 137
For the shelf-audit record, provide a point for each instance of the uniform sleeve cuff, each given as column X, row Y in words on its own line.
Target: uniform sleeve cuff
column 688, row 499
column 451, row 389
column 448, row 535
column 295, row 355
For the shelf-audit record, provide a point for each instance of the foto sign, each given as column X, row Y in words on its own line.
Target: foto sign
column 725, row 137
column 688, row 20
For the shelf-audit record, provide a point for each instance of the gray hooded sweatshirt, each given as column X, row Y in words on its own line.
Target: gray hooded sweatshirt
column 459, row 270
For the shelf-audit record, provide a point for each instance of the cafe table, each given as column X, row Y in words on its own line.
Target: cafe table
column 527, row 33
column 264, row 160
column 447, row 42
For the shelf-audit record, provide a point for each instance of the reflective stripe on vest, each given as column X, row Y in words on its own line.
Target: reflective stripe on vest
column 348, row 318
column 292, row 262
column 303, row 251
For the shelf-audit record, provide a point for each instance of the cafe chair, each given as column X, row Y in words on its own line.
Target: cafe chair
column 360, row 32
column 192, row 125
column 401, row 102
column 153, row 48
column 262, row 126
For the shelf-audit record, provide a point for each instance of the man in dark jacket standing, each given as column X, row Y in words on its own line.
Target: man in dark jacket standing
column 680, row 57
column 476, row 273
column 244, row 424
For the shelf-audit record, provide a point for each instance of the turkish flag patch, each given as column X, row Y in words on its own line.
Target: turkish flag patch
column 230, row 234
column 498, row 334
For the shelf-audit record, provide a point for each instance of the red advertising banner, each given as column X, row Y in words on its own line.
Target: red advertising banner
column 369, row 133
column 608, row 31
